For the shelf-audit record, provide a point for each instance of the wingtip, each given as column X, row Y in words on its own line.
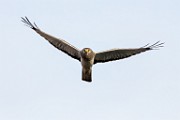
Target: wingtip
column 27, row 22
column 154, row 46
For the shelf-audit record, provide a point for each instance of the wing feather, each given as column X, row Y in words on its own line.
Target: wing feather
column 116, row 54
column 56, row 42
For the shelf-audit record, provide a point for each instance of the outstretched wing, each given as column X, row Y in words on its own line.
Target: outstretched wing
column 117, row 54
column 58, row 43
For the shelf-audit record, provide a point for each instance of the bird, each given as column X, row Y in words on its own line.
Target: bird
column 87, row 57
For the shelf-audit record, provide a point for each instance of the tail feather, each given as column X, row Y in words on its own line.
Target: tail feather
column 86, row 75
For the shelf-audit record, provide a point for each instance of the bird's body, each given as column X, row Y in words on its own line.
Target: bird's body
column 87, row 61
column 86, row 56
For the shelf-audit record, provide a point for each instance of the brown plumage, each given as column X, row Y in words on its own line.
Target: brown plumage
column 86, row 56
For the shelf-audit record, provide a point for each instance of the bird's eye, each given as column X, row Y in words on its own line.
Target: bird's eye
column 86, row 50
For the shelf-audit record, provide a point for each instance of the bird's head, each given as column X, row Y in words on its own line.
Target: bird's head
column 87, row 50
column 87, row 53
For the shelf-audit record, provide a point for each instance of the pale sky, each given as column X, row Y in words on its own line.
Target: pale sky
column 38, row 82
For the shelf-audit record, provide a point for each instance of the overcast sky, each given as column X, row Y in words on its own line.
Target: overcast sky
column 39, row 82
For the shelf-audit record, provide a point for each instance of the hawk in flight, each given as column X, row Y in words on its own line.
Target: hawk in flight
column 86, row 56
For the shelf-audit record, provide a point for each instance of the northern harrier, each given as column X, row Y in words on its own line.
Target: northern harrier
column 86, row 56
